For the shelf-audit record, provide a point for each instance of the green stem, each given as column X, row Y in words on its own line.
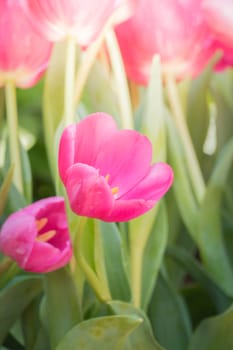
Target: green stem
column 100, row 289
column 191, row 158
column 140, row 230
column 69, row 111
column 121, row 80
column 12, row 121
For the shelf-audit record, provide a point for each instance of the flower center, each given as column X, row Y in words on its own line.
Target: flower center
column 46, row 236
column 115, row 189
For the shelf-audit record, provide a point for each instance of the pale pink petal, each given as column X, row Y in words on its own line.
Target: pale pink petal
column 89, row 193
column 24, row 55
column 125, row 159
column 83, row 20
column 219, row 16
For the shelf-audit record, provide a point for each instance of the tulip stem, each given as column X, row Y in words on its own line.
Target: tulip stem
column 12, row 121
column 191, row 158
column 100, row 289
column 69, row 111
column 121, row 80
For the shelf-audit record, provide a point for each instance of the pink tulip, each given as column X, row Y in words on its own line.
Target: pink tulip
column 83, row 20
column 219, row 16
column 107, row 172
column 23, row 54
column 174, row 29
column 37, row 236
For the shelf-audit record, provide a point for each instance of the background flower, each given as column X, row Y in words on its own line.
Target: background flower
column 57, row 20
column 24, row 55
column 107, row 172
column 37, row 236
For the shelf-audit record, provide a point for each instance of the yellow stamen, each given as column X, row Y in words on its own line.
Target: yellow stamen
column 41, row 223
column 115, row 190
column 107, row 177
column 45, row 237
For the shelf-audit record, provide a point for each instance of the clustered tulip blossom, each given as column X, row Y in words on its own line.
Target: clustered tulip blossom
column 107, row 172
column 37, row 236
column 24, row 55
column 181, row 32
column 83, row 20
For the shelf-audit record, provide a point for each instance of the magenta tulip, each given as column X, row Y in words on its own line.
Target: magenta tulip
column 83, row 20
column 37, row 237
column 174, row 29
column 24, row 55
column 107, row 172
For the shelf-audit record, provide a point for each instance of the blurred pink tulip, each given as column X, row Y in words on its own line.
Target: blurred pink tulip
column 83, row 20
column 107, row 172
column 219, row 16
column 174, row 29
column 23, row 54
column 37, row 236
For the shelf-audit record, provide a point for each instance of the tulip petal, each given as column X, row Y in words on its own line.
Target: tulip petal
column 89, row 193
column 126, row 161
column 154, row 185
column 45, row 257
column 82, row 142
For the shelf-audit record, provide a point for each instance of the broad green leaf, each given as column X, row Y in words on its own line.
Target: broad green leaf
column 14, row 299
column 182, row 187
column 214, row 333
column 105, row 333
column 198, row 109
column 169, row 317
column 142, row 337
column 114, row 261
column 153, row 254
column 62, row 304
column 198, row 273
column 209, row 235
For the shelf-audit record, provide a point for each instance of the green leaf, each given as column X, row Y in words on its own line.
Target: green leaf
column 104, row 333
column 62, row 304
column 209, row 234
column 14, row 299
column 153, row 254
column 114, row 261
column 5, row 188
column 195, row 269
column 169, row 317
column 53, row 100
column 27, row 175
column 214, row 333
column 152, row 116
column 142, row 337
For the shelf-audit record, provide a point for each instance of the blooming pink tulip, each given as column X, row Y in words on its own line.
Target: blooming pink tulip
column 83, row 20
column 107, row 172
column 37, row 236
column 23, row 54
column 219, row 16
column 174, row 29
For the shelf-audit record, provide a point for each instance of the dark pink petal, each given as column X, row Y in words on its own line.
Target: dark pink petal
column 46, row 257
column 124, row 210
column 17, row 236
column 20, row 234
column 89, row 193
column 125, row 158
column 154, row 185
column 81, row 143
